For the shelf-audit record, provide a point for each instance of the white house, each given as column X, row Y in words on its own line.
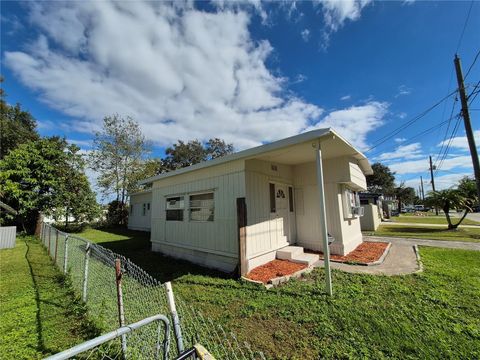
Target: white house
column 242, row 208
column 140, row 213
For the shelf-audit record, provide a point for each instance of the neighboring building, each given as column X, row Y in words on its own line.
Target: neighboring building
column 196, row 211
column 140, row 211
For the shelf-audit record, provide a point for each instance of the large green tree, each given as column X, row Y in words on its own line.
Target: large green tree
column 118, row 156
column 382, row 180
column 183, row 154
column 17, row 126
column 405, row 195
column 39, row 177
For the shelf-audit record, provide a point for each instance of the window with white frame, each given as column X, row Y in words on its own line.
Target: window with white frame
column 174, row 208
column 202, row 207
column 351, row 203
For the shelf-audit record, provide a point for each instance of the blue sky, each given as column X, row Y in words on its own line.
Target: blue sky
column 250, row 72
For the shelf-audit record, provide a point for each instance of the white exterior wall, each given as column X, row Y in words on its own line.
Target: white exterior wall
column 261, row 225
column 347, row 232
column 212, row 244
column 136, row 219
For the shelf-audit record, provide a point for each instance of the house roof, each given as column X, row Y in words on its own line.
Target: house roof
column 292, row 150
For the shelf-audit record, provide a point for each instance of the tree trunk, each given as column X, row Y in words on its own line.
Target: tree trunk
column 461, row 219
column 446, row 210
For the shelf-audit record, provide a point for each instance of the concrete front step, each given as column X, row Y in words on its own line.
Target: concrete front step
column 288, row 252
column 296, row 254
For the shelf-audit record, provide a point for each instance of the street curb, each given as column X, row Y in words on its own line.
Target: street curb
column 419, row 260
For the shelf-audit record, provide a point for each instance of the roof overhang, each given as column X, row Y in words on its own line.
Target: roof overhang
column 290, row 151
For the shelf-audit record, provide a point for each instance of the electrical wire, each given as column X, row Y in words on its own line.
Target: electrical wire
column 471, row 65
column 448, row 128
column 447, row 148
column 464, row 26
column 393, row 133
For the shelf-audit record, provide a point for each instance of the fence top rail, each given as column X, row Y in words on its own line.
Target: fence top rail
column 91, row 344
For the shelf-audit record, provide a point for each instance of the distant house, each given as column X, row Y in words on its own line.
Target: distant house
column 248, row 205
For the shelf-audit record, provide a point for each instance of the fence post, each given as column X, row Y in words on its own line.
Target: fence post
column 41, row 232
column 56, row 246
column 65, row 259
column 176, row 320
column 85, row 273
column 49, row 239
column 121, row 314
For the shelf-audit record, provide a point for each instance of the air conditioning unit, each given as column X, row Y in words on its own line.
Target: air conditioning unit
column 358, row 210
column 175, row 204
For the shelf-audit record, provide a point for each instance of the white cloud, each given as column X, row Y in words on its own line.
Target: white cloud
column 354, row 123
column 419, row 166
column 337, row 12
column 299, row 79
column 346, row 97
column 461, row 142
column 403, row 90
column 405, row 152
column 182, row 73
column 399, row 140
column 80, row 143
column 305, row 35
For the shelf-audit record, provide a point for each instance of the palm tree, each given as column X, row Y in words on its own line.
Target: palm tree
column 451, row 199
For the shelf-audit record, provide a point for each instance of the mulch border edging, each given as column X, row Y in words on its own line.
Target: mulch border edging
column 281, row 279
column 373, row 263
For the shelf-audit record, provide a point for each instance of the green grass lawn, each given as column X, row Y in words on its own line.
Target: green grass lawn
column 39, row 314
column 425, row 232
column 434, row 314
column 432, row 219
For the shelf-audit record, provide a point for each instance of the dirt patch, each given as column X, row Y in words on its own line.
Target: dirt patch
column 273, row 269
column 366, row 252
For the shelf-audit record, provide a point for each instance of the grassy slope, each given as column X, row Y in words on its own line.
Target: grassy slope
column 433, row 233
column 38, row 315
column 440, row 219
column 435, row 314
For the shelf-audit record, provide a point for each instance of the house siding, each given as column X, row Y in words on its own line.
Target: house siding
column 214, row 243
column 261, row 228
column 136, row 219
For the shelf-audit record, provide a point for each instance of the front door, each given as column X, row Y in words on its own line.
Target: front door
column 280, row 220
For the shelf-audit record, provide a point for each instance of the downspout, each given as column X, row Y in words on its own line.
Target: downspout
column 323, row 218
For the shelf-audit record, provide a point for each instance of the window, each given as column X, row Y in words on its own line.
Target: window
column 148, row 206
column 144, row 209
column 290, row 198
column 272, row 198
column 131, row 209
column 174, row 208
column 202, row 207
column 351, row 203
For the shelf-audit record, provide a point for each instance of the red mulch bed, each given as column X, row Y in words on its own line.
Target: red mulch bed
column 365, row 253
column 273, row 269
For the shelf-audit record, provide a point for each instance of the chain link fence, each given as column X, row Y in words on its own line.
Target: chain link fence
column 118, row 292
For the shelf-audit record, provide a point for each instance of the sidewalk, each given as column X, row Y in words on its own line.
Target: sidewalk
column 426, row 225
column 402, row 258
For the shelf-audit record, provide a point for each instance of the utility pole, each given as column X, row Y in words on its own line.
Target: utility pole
column 468, row 125
column 433, row 181
column 421, row 187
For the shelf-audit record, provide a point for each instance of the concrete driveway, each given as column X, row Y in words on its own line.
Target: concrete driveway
column 402, row 258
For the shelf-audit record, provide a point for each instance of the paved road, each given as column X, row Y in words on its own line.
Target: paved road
column 471, row 216
column 402, row 258
column 432, row 225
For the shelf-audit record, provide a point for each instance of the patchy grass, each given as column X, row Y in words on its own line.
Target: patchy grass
column 432, row 233
column 434, row 314
column 39, row 314
column 431, row 219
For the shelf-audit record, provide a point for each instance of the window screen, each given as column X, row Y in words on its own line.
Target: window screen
column 202, row 207
column 144, row 209
column 174, row 208
column 272, row 198
column 131, row 209
column 290, row 198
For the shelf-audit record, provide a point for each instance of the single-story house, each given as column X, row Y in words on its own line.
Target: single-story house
column 140, row 213
column 244, row 208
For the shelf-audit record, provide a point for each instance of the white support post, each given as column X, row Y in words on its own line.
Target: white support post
column 65, row 259
column 85, row 273
column 176, row 320
column 323, row 219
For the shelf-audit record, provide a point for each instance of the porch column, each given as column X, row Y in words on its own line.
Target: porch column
column 323, row 218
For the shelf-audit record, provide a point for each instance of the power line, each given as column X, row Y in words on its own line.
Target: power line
column 448, row 128
column 471, row 66
column 447, row 148
column 464, row 26
column 388, row 136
